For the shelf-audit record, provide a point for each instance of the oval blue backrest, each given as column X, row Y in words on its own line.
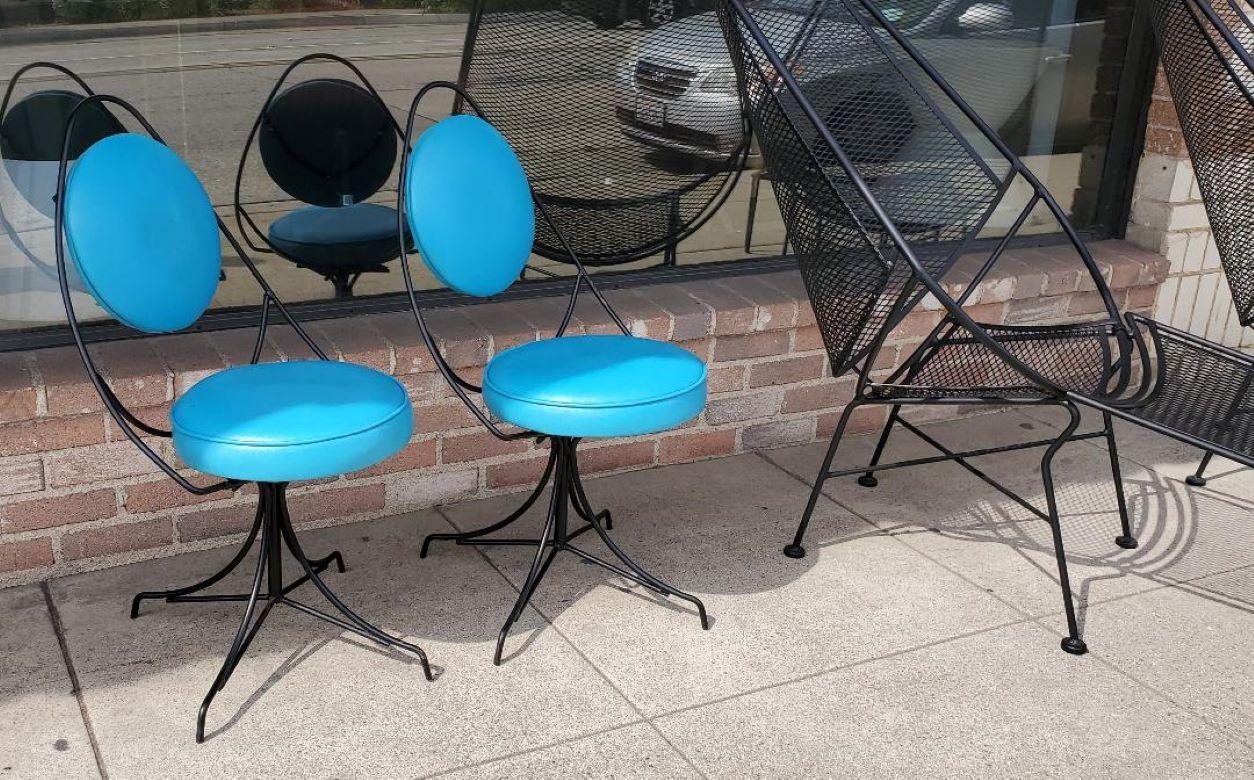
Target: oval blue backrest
column 142, row 233
column 469, row 206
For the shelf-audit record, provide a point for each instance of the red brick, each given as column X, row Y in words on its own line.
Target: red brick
column 807, row 339
column 66, row 387
column 786, row 371
column 219, row 521
column 691, row 318
column 416, row 455
column 732, row 313
column 808, row 398
column 726, row 379
column 616, row 456
column 96, row 464
column 698, row 347
column 117, row 539
column 400, row 330
column 58, row 510
column 476, row 446
column 190, row 357
column 47, row 434
column 356, row 342
column 866, row 419
column 337, row 503
column 503, row 324
column 753, row 345
column 643, row 316
column 462, row 342
column 687, row 447
column 18, row 398
column 166, row 494
column 236, row 346
column 21, row 476
column 438, row 418
column 134, row 372
column 778, row 433
column 25, row 555
column 515, row 472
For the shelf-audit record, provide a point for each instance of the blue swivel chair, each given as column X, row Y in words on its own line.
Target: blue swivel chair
column 144, row 238
column 330, row 144
column 469, row 208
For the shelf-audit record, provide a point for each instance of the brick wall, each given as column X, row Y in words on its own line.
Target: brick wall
column 75, row 495
column 1168, row 217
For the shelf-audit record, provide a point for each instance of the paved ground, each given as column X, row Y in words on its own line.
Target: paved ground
column 920, row 636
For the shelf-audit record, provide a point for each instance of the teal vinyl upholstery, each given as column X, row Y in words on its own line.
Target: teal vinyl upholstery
column 142, row 233
column 469, row 206
column 281, row 422
column 595, row 386
column 362, row 235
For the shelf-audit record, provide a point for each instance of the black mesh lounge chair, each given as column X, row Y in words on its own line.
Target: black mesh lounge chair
column 331, row 144
column 1206, row 53
column 880, row 197
column 632, row 137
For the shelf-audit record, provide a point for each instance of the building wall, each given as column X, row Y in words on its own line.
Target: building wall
column 1168, row 217
column 76, row 495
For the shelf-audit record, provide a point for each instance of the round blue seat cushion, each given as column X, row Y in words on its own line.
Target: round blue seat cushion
column 358, row 236
column 595, row 386
column 281, row 422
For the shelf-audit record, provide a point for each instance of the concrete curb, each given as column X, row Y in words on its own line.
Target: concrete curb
column 79, row 32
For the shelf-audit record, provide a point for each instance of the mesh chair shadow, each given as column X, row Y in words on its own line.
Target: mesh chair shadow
column 331, row 144
column 885, row 174
column 632, row 138
column 269, row 424
column 470, row 209
column 1206, row 54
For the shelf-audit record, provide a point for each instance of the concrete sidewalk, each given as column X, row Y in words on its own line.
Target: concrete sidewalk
column 919, row 636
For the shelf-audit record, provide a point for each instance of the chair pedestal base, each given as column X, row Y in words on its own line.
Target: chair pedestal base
column 567, row 493
column 274, row 527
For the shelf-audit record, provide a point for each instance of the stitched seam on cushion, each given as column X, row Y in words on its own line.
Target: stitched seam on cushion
column 556, row 405
column 215, row 440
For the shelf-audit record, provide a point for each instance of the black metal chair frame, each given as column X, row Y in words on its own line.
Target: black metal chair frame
column 272, row 523
column 562, row 468
column 342, row 282
column 956, row 327
column 667, row 244
column 1201, row 14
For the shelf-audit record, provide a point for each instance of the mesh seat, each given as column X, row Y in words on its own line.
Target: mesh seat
column 1075, row 357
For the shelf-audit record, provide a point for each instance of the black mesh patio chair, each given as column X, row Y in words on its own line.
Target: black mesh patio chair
column 330, row 144
column 1206, row 55
column 632, row 137
column 885, row 175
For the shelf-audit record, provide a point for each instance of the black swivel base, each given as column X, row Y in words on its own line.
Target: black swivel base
column 563, row 471
column 275, row 529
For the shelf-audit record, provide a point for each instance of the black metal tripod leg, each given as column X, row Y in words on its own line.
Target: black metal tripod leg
column 462, row 538
column 379, row 636
column 209, row 581
column 795, row 550
column 1126, row 540
column 246, row 630
column 868, row 479
column 1196, row 479
column 1072, row 643
column 546, row 550
column 649, row 580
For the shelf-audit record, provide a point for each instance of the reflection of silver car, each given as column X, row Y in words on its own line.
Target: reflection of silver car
column 678, row 91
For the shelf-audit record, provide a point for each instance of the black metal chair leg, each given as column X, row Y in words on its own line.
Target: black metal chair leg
column 546, row 550
column 1126, row 540
column 212, row 579
column 246, row 628
column 1072, row 643
column 795, row 550
column 1196, row 479
column 463, row 538
column 868, row 479
column 378, row 635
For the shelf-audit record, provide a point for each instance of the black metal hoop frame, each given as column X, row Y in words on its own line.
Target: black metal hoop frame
column 668, row 244
column 562, row 468
column 272, row 521
column 343, row 283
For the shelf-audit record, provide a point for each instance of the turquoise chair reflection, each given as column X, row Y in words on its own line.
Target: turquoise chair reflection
column 144, row 239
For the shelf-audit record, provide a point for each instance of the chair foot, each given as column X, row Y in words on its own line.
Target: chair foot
column 795, row 551
column 1074, row 646
column 1194, row 480
column 1127, row 542
column 868, row 481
